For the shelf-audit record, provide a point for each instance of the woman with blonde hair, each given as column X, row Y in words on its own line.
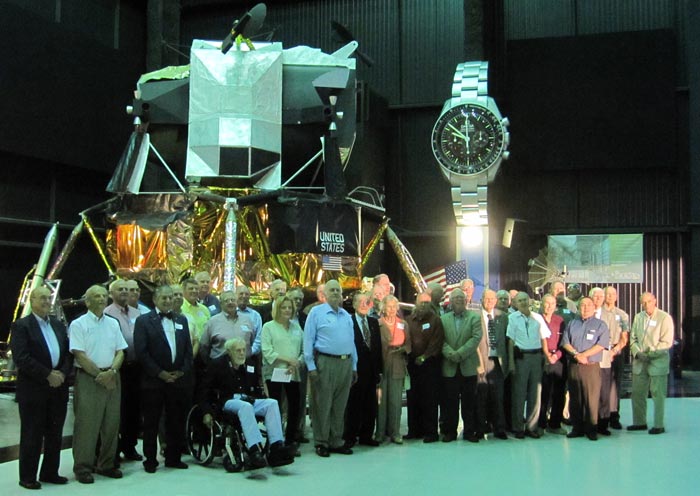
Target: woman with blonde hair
column 281, row 342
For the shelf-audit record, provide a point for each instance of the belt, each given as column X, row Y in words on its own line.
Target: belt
column 341, row 357
column 531, row 352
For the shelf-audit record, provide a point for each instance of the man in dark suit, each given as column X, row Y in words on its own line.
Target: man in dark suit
column 297, row 296
column 491, row 411
column 39, row 346
column 361, row 411
column 164, row 350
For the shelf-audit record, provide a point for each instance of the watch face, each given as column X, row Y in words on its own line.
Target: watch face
column 468, row 139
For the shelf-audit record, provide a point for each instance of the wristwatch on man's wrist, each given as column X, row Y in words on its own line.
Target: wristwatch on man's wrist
column 469, row 141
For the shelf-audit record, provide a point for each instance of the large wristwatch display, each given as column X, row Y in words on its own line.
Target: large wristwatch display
column 469, row 141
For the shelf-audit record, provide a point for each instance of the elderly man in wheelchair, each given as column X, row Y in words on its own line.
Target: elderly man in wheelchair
column 233, row 388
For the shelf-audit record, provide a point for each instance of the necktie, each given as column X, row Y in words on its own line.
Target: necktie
column 166, row 315
column 365, row 333
column 491, row 331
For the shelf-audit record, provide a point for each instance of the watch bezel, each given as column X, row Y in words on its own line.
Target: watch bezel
column 499, row 134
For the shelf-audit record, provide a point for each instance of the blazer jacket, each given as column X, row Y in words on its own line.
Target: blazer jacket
column 464, row 339
column 503, row 344
column 394, row 361
column 33, row 359
column 369, row 361
column 153, row 351
column 656, row 339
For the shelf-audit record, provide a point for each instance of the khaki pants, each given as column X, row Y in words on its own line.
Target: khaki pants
column 641, row 385
column 329, row 396
column 96, row 414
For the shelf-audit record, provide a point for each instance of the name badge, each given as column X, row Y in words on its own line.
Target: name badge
column 590, row 336
column 426, row 326
column 244, row 328
column 566, row 310
column 250, row 369
column 212, row 308
column 178, row 326
column 652, row 323
column 400, row 325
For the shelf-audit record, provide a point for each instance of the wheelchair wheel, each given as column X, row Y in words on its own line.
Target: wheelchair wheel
column 200, row 438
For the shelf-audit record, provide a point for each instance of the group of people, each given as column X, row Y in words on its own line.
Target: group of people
column 134, row 365
column 506, row 367
column 510, row 364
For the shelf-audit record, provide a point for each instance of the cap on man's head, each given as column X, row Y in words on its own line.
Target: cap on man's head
column 574, row 285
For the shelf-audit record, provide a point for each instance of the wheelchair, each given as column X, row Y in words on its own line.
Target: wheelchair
column 224, row 438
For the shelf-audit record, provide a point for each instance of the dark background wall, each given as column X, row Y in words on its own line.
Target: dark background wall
column 598, row 94
column 68, row 70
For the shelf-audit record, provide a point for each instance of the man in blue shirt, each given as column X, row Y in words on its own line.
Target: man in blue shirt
column 584, row 340
column 331, row 357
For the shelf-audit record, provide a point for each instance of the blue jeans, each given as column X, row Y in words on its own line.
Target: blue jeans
column 246, row 412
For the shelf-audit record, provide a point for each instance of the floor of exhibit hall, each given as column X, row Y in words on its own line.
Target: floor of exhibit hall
column 625, row 463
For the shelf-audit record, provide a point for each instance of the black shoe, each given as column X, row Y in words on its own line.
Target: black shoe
column 566, row 421
column 430, row 439
column 501, row 435
column 177, row 464
column 592, row 436
column 603, row 431
column 657, row 430
column 256, row 459
column 412, row 435
column 532, row 434
column 132, row 456
column 615, row 424
column 574, row 434
column 112, row 473
column 56, row 479
column 281, row 454
column 232, row 467
column 519, row 435
column 85, row 478
column 448, row 438
column 30, row 484
column 637, row 427
column 369, row 442
column 342, row 450
column 322, row 451
column 150, row 469
column 471, row 437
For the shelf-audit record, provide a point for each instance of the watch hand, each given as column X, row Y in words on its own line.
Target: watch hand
column 466, row 139
column 456, row 132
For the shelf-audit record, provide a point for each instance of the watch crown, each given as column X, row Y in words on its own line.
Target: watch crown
column 505, row 122
column 506, row 154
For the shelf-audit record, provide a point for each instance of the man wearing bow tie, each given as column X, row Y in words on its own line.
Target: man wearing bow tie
column 164, row 350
